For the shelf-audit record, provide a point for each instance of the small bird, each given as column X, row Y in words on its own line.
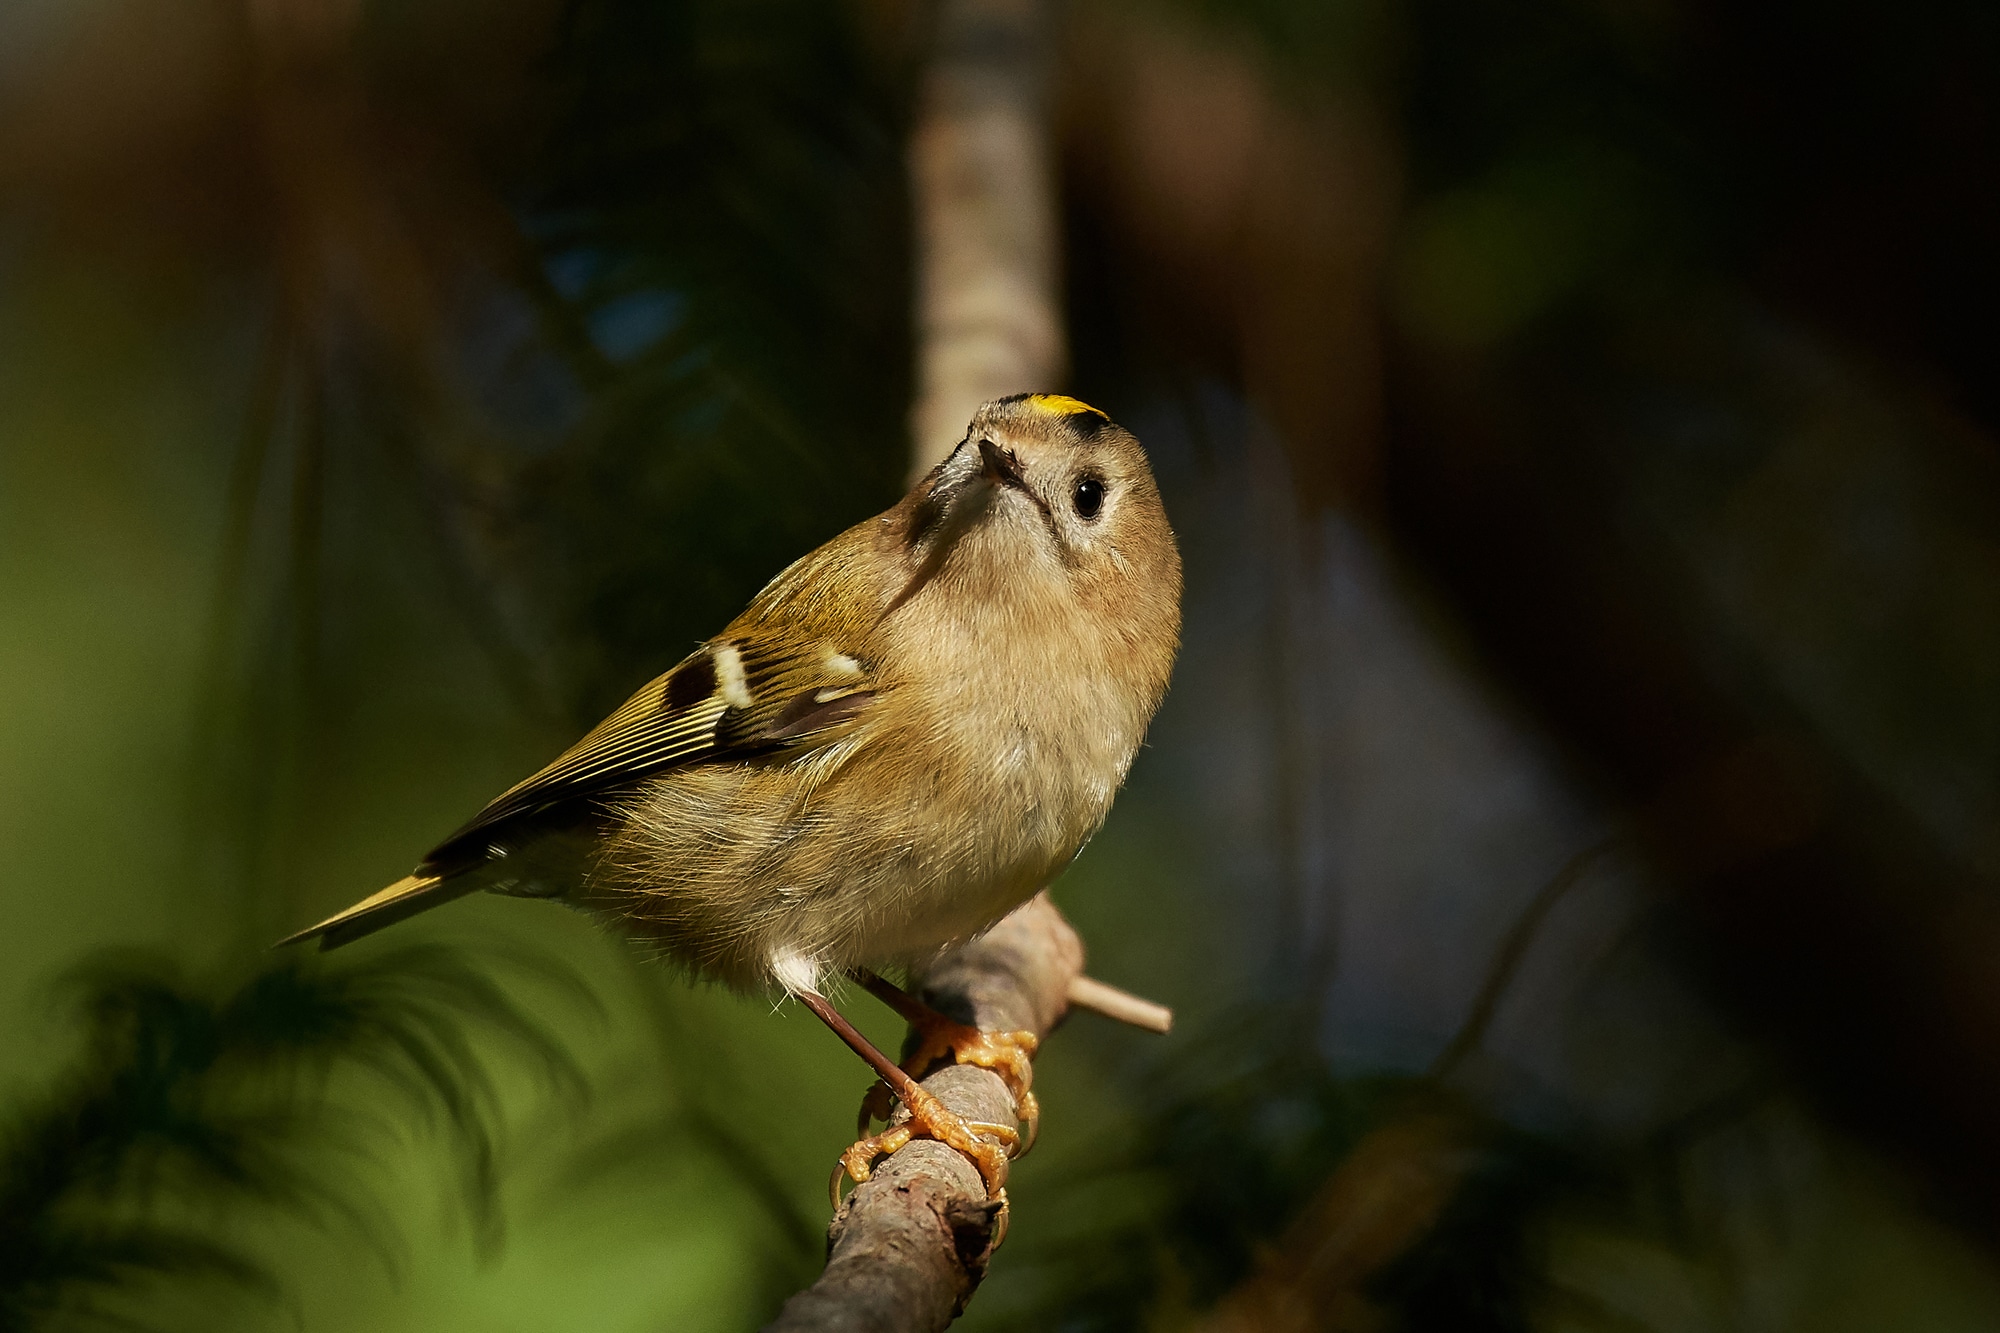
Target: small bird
column 907, row 734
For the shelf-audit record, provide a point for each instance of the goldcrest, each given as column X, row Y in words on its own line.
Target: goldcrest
column 907, row 734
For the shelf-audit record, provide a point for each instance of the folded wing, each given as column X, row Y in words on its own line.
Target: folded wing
column 734, row 698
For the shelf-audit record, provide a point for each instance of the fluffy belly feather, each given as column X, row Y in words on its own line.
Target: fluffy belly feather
column 732, row 867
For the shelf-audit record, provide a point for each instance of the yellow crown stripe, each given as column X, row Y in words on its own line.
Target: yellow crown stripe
column 1063, row 405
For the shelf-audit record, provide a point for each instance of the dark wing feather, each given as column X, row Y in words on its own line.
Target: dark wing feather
column 671, row 720
column 788, row 694
column 685, row 717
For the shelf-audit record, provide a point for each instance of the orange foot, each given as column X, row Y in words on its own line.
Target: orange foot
column 1008, row 1054
column 987, row 1146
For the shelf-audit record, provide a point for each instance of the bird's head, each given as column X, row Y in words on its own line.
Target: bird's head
column 1049, row 508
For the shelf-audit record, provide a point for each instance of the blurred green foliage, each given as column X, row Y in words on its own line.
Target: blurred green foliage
column 719, row 204
column 185, row 1100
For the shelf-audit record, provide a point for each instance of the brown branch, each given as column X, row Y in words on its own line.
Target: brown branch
column 909, row 1246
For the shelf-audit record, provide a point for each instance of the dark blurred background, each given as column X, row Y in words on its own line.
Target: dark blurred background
column 1572, row 843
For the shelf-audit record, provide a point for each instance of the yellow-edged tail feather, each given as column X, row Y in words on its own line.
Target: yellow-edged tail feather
column 405, row 898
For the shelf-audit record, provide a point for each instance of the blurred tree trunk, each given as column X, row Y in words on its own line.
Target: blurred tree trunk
column 989, row 311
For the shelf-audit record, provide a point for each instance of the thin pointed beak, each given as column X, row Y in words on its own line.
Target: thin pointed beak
column 1001, row 465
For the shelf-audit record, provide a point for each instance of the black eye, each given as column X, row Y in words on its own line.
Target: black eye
column 1088, row 497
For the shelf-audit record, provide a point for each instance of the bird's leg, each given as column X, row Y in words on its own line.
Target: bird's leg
column 985, row 1145
column 1008, row 1054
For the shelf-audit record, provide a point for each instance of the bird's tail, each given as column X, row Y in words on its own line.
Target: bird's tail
column 405, row 898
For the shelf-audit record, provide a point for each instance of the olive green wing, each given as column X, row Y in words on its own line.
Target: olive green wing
column 670, row 720
column 732, row 698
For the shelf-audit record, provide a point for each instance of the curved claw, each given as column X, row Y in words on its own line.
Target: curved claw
column 858, row 1162
column 1031, row 1120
